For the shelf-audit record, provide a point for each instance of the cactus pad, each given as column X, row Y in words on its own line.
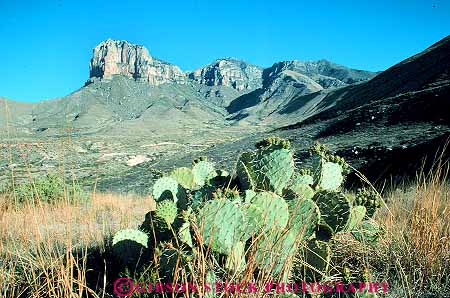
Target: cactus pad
column 129, row 245
column 334, row 209
column 184, row 234
column 236, row 260
column 203, row 171
column 331, row 176
column 166, row 213
column 357, row 214
column 221, row 224
column 313, row 263
column 272, row 168
column 275, row 252
column 165, row 188
column 184, row 177
column 305, row 216
column 244, row 170
column 275, row 212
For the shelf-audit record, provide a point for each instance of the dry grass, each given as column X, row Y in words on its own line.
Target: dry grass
column 43, row 248
column 417, row 241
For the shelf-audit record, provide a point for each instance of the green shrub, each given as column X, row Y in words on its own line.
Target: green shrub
column 48, row 189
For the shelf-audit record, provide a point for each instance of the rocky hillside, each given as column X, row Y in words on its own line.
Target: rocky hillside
column 287, row 80
column 229, row 72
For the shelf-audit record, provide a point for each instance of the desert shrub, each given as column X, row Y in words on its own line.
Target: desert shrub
column 49, row 189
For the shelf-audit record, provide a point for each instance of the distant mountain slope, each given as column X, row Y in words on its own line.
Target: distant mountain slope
column 388, row 124
column 130, row 89
column 287, row 80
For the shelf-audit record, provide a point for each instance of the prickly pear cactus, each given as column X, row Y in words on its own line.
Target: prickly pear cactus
column 221, row 225
column 185, row 177
column 370, row 199
column 165, row 214
column 334, row 209
column 129, row 245
column 266, row 212
column 203, row 171
column 165, row 188
column 275, row 211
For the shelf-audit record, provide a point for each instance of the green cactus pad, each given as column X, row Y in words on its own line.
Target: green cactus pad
column 298, row 179
column 253, row 223
column 305, row 216
column 331, row 176
column 302, row 191
column 203, row 171
column 249, row 195
column 273, row 168
column 166, row 213
column 334, row 209
column 367, row 232
column 275, row 210
column 276, row 251
column 184, row 177
column 129, row 246
column 313, row 262
column 357, row 214
column 165, row 188
column 236, row 259
column 221, row 225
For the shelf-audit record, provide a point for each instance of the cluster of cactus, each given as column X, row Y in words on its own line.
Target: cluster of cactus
column 290, row 217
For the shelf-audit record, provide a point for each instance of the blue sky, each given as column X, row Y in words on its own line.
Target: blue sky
column 46, row 45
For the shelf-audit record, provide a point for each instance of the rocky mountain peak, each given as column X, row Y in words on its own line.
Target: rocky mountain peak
column 229, row 72
column 119, row 57
column 326, row 73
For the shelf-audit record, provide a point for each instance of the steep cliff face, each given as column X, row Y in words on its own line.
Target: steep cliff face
column 112, row 57
column 229, row 72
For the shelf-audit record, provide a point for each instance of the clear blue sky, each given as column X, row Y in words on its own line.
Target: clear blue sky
column 46, row 45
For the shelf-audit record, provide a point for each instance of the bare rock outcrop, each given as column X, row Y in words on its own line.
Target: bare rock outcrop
column 113, row 57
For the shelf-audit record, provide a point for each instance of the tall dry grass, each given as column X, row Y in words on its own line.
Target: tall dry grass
column 44, row 248
column 416, row 246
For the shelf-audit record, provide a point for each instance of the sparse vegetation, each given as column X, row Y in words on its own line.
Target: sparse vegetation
column 48, row 189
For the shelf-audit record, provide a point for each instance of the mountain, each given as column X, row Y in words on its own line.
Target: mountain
column 287, row 80
column 119, row 57
column 229, row 72
column 129, row 89
column 137, row 107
